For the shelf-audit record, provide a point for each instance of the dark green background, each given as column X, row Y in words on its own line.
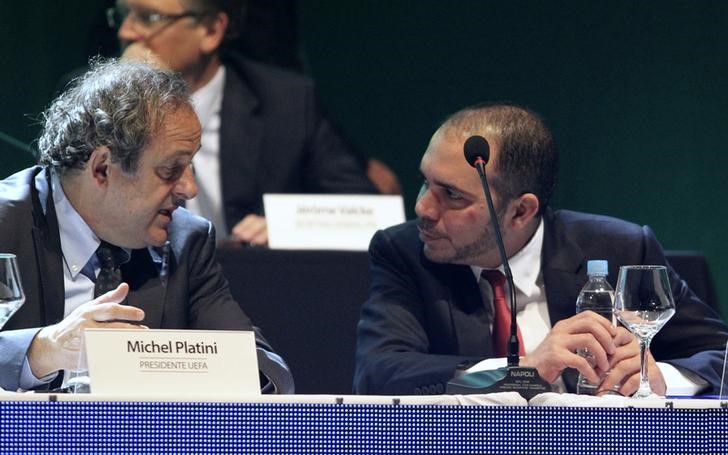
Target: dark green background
column 635, row 92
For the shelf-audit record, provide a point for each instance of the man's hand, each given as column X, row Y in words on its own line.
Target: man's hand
column 625, row 367
column 57, row 347
column 558, row 350
column 252, row 229
column 138, row 52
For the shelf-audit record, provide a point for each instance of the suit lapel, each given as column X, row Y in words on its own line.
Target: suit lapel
column 563, row 269
column 241, row 133
column 49, row 256
column 477, row 340
column 462, row 305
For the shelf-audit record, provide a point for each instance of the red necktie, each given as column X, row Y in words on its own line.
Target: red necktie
column 501, row 314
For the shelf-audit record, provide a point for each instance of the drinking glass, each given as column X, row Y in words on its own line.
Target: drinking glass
column 12, row 296
column 643, row 303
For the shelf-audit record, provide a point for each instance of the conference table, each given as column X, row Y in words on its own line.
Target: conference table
column 307, row 303
column 332, row 424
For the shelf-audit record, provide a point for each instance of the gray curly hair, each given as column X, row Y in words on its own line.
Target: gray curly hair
column 117, row 104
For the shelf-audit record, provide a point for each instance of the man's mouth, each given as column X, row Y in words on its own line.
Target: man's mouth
column 427, row 231
column 427, row 235
column 167, row 212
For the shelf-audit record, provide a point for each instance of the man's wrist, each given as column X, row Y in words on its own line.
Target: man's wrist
column 39, row 355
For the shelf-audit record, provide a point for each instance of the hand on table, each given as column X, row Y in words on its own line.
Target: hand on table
column 624, row 371
column 57, row 346
column 252, row 229
column 558, row 350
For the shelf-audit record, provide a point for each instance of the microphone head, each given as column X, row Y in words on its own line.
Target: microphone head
column 476, row 147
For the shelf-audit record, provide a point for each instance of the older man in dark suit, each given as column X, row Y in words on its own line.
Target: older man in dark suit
column 262, row 128
column 430, row 313
column 115, row 156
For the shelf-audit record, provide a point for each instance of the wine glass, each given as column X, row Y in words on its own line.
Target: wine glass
column 12, row 296
column 643, row 303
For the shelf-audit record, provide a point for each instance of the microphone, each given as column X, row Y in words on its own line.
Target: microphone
column 477, row 153
column 513, row 378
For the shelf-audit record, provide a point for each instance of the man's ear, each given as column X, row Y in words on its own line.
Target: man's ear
column 98, row 165
column 524, row 209
column 215, row 29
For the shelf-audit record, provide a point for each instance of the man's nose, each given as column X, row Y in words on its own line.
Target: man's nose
column 127, row 32
column 426, row 205
column 186, row 187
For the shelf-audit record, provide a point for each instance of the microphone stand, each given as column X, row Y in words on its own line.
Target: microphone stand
column 512, row 378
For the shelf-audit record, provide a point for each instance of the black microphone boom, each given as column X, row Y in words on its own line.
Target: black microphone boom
column 513, row 378
column 477, row 154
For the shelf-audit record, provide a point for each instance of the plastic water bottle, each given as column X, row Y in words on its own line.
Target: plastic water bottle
column 597, row 295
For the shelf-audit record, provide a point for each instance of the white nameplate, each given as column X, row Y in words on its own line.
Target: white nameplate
column 208, row 362
column 328, row 221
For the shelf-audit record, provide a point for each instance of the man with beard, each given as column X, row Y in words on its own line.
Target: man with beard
column 430, row 314
column 100, row 238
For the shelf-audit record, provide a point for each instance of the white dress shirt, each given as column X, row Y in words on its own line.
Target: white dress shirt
column 78, row 245
column 207, row 101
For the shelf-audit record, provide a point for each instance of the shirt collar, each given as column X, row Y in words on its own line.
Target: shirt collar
column 78, row 241
column 525, row 264
column 208, row 98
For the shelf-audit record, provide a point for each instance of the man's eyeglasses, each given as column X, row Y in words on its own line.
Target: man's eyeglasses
column 146, row 22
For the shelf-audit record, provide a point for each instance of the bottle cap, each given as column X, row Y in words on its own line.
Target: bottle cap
column 597, row 267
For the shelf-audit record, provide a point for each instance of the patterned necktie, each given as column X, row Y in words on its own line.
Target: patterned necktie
column 110, row 275
column 501, row 314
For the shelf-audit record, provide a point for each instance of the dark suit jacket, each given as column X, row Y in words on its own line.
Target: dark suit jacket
column 275, row 139
column 423, row 319
column 196, row 295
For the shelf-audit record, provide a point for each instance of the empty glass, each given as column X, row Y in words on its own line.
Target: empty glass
column 12, row 296
column 643, row 303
